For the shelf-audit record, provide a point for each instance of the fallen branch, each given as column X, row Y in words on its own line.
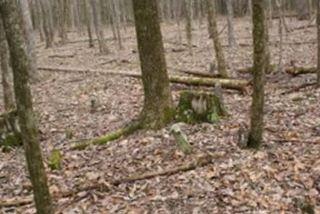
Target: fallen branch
column 298, row 88
column 296, row 141
column 295, row 71
column 105, row 186
column 14, row 202
column 195, row 73
column 200, row 162
column 235, row 84
column 62, row 56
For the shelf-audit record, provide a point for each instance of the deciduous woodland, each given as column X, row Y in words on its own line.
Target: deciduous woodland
column 160, row 106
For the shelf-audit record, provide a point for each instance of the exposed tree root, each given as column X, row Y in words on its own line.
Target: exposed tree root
column 127, row 130
column 295, row 71
column 234, row 84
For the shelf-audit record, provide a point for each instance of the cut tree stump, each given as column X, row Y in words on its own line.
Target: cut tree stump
column 234, row 84
column 295, row 71
column 195, row 107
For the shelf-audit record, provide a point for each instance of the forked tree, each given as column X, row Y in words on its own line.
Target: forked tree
column 21, row 66
column 158, row 107
column 259, row 68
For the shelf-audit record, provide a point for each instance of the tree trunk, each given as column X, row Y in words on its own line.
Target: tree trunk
column 187, row 13
column 213, row 31
column 98, row 27
column 47, row 25
column 6, row 75
column 21, row 67
column 318, row 32
column 259, row 68
column 158, row 106
column 63, row 10
column 30, row 38
column 88, row 21
column 231, row 37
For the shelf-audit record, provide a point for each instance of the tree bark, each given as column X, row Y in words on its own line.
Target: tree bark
column 8, row 96
column 98, row 27
column 231, row 36
column 318, row 34
column 88, row 21
column 30, row 38
column 21, row 67
column 259, row 68
column 158, row 106
column 213, row 31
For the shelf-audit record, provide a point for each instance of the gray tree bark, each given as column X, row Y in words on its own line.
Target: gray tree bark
column 21, row 67
column 158, row 107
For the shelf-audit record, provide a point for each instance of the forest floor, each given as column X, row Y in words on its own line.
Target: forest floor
column 279, row 178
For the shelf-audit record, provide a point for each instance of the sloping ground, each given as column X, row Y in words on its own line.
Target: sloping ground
column 280, row 177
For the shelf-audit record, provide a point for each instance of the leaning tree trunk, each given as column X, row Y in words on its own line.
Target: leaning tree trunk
column 7, row 86
column 98, row 27
column 259, row 68
column 30, row 38
column 318, row 32
column 158, row 107
column 213, row 31
column 21, row 67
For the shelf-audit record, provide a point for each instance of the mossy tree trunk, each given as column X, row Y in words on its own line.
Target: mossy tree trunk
column 214, row 34
column 21, row 66
column 259, row 69
column 6, row 75
column 158, row 107
column 318, row 32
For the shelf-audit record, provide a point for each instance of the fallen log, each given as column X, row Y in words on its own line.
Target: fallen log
column 295, row 71
column 234, row 84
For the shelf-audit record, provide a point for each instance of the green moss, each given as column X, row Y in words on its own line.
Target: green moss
column 55, row 160
column 10, row 141
column 197, row 107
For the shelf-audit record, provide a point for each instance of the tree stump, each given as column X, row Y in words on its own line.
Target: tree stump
column 195, row 107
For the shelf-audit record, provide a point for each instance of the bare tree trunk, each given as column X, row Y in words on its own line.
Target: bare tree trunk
column 213, row 31
column 63, row 10
column 88, row 21
column 98, row 27
column 30, row 38
column 280, row 64
column 8, row 96
column 231, row 37
column 47, row 25
column 116, row 15
column 259, row 68
column 187, row 13
column 21, row 67
column 318, row 32
column 158, row 106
